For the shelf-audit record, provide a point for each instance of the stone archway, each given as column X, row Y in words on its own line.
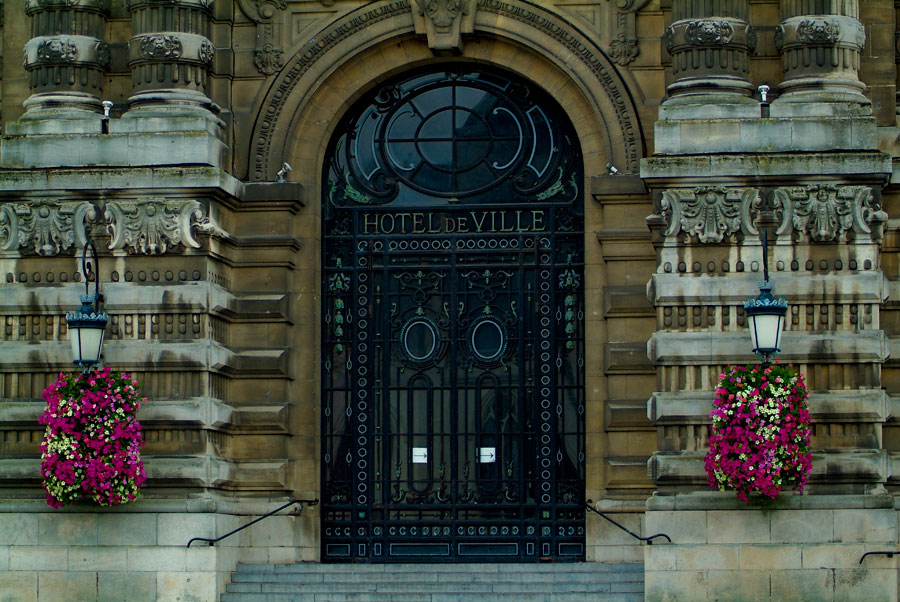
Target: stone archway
column 372, row 43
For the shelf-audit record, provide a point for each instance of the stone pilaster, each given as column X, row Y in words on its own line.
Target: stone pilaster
column 170, row 54
column 820, row 43
column 710, row 42
column 66, row 56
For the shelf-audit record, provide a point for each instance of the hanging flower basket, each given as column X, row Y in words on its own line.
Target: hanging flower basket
column 91, row 448
column 759, row 439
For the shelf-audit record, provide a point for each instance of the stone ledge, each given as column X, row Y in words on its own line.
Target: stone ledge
column 138, row 149
column 606, row 186
column 88, row 180
column 693, row 407
column 182, row 471
column 717, row 348
column 725, row 500
column 765, row 135
column 689, row 170
column 186, row 356
column 679, row 290
column 829, row 468
column 121, row 297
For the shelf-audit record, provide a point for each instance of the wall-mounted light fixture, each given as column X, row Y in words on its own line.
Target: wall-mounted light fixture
column 765, row 313
column 88, row 325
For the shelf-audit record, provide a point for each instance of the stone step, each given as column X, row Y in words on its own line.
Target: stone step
column 313, row 567
column 428, row 588
column 487, row 582
column 431, row 577
column 437, row 597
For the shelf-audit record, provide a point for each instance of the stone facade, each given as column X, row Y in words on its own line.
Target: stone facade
column 212, row 268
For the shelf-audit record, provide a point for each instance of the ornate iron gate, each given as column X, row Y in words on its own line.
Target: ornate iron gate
column 453, row 395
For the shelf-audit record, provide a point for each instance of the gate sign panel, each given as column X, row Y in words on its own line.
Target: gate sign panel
column 453, row 311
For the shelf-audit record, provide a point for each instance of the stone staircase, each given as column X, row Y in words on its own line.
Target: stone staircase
column 310, row 582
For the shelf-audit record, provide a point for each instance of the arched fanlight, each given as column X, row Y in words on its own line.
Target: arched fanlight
column 88, row 325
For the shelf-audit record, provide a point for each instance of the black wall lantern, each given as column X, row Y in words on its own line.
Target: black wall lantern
column 88, row 325
column 765, row 313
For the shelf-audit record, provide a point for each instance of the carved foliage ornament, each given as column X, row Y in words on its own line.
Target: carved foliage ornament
column 623, row 50
column 151, row 227
column 708, row 212
column 708, row 32
column 268, row 59
column 818, row 32
column 160, row 46
column 44, row 228
column 57, row 51
column 818, row 212
column 443, row 12
column 206, row 53
column 825, row 212
column 443, row 22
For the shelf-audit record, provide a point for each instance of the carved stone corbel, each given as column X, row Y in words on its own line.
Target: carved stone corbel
column 45, row 228
column 268, row 54
column 444, row 22
column 152, row 226
column 709, row 213
column 623, row 47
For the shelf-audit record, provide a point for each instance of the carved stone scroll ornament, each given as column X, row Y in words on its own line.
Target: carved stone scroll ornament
column 825, row 212
column 153, row 226
column 443, row 22
column 45, row 228
column 711, row 213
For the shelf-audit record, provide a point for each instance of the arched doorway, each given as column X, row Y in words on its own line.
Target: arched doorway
column 453, row 308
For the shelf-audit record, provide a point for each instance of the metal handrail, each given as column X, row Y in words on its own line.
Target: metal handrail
column 888, row 553
column 649, row 540
column 212, row 542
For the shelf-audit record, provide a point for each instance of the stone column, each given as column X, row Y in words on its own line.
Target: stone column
column 66, row 56
column 170, row 54
column 710, row 42
column 820, row 43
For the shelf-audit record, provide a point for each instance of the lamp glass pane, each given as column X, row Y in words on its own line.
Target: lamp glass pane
column 766, row 330
column 86, row 343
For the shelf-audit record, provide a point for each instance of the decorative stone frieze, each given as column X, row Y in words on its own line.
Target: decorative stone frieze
column 710, row 43
column 170, row 56
column 820, row 44
column 148, row 226
column 44, row 228
column 710, row 213
column 816, row 212
column 153, row 226
column 66, row 56
column 443, row 22
column 826, row 212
